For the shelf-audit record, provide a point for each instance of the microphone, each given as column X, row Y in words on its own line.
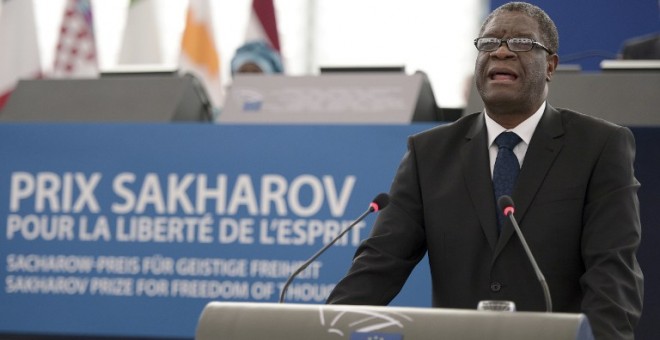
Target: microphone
column 506, row 206
column 378, row 203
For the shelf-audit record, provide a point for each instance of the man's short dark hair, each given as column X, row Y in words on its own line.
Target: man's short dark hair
column 549, row 33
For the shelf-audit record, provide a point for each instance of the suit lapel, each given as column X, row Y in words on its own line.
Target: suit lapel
column 541, row 153
column 474, row 159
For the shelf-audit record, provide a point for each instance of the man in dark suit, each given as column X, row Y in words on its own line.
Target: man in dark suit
column 576, row 197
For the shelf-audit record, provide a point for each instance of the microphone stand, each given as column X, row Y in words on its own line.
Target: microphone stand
column 537, row 270
column 318, row 253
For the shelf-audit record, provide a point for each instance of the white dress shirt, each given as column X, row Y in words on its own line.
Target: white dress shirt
column 524, row 130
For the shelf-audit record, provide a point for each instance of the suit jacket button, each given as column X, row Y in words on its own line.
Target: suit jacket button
column 495, row 286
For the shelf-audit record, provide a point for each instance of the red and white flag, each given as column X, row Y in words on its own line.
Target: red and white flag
column 76, row 56
column 199, row 55
column 262, row 24
column 20, row 49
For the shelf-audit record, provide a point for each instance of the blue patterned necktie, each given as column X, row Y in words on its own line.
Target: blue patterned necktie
column 506, row 168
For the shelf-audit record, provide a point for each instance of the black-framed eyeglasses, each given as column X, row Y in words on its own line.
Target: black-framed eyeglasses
column 514, row 44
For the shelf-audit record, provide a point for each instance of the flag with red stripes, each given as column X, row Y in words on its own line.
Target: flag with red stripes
column 76, row 56
column 262, row 25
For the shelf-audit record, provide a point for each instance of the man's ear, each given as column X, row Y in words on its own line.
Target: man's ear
column 553, row 61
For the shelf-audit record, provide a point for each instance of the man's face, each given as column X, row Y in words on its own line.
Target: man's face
column 513, row 81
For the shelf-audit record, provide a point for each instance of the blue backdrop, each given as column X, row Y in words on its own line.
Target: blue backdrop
column 130, row 229
column 590, row 31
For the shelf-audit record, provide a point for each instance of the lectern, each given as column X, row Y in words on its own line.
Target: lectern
column 115, row 99
column 341, row 98
column 238, row 321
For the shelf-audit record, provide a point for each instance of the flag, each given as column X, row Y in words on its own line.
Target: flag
column 199, row 55
column 75, row 56
column 262, row 24
column 141, row 42
column 20, row 49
